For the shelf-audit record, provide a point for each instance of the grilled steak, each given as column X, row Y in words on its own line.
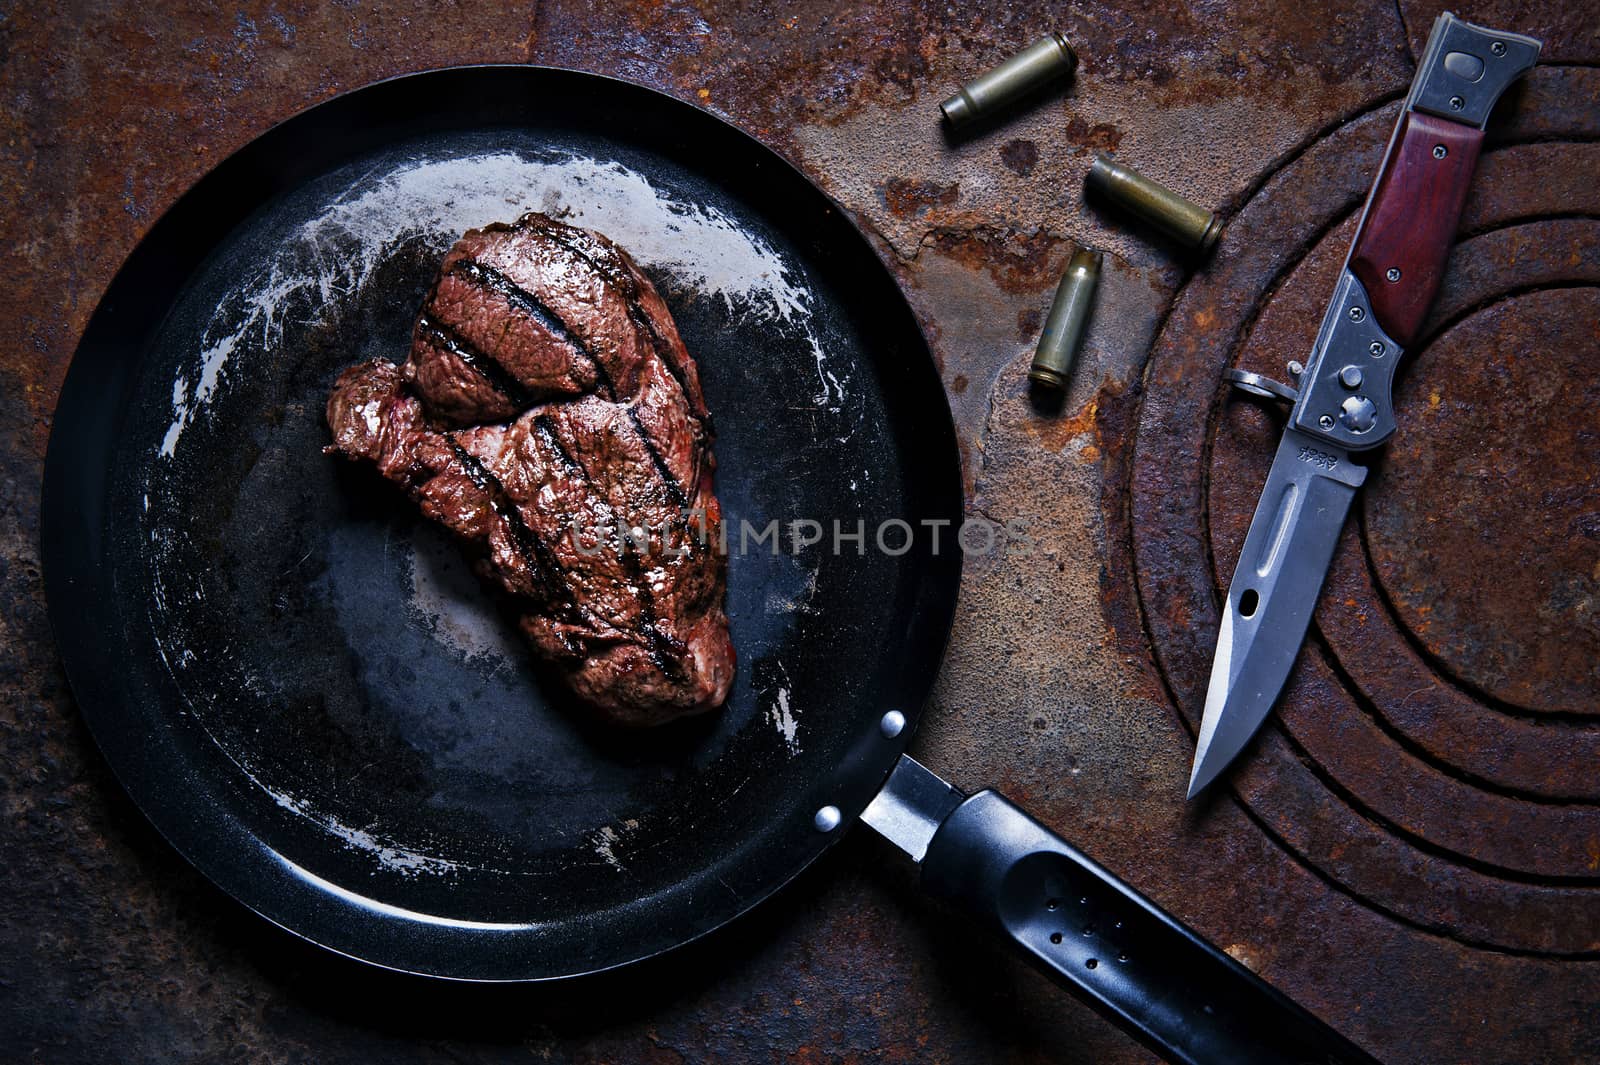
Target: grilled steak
column 549, row 415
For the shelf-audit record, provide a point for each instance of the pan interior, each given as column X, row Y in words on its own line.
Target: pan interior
column 324, row 661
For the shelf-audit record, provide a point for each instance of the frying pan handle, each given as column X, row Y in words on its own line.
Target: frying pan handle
column 1102, row 940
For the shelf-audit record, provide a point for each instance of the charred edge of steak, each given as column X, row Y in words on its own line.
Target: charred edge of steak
column 543, row 566
column 618, row 277
column 490, row 278
column 480, row 362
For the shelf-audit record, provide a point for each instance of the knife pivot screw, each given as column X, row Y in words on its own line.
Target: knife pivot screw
column 1359, row 414
column 827, row 819
column 1457, row 103
column 1357, row 314
column 1376, row 349
column 1326, row 421
column 1440, row 151
column 1393, row 274
column 1498, row 48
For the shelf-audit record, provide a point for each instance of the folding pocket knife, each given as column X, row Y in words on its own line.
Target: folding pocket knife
column 1343, row 404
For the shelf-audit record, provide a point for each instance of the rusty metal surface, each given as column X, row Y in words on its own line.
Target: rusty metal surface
column 1413, row 851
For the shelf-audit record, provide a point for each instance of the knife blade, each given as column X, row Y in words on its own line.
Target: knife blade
column 1286, row 554
column 1344, row 403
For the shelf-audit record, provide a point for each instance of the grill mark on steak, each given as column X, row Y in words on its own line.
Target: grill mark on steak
column 543, row 567
column 535, row 308
column 624, row 283
column 674, row 489
column 482, row 363
column 665, row 651
column 663, row 648
column 618, row 277
column 547, row 432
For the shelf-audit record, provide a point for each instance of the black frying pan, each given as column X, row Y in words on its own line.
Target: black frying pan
column 298, row 681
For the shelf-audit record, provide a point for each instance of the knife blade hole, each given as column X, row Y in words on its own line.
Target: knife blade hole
column 1051, row 904
column 1092, row 963
column 1248, row 603
column 1055, row 937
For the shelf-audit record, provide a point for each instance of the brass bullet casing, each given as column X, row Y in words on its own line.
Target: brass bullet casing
column 1063, row 328
column 1180, row 218
column 1044, row 60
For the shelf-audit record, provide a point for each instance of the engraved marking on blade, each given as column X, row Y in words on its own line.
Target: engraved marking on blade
column 1280, row 529
column 1320, row 459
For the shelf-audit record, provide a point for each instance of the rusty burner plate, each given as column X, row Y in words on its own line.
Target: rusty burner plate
column 1436, row 753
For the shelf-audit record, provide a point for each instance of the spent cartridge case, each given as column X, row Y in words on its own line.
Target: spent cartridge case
column 1041, row 62
column 1178, row 217
column 1063, row 327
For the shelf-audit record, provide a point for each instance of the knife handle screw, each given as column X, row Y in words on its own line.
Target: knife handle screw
column 1457, row 103
column 1376, row 349
column 1393, row 275
column 1498, row 48
column 1326, row 421
column 1357, row 314
column 1440, row 151
column 1296, row 368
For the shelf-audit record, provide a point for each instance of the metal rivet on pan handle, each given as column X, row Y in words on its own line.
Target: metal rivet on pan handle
column 892, row 724
column 827, row 819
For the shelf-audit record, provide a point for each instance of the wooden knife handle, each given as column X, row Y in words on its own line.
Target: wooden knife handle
column 1399, row 255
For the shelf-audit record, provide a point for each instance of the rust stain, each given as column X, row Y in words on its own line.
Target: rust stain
column 1099, row 137
column 1029, row 322
column 1018, row 261
column 906, row 198
column 1019, row 156
column 1054, row 434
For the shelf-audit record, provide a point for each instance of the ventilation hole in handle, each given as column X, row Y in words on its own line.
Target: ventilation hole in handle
column 1248, row 603
column 1051, row 904
column 1055, row 937
column 1092, row 963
